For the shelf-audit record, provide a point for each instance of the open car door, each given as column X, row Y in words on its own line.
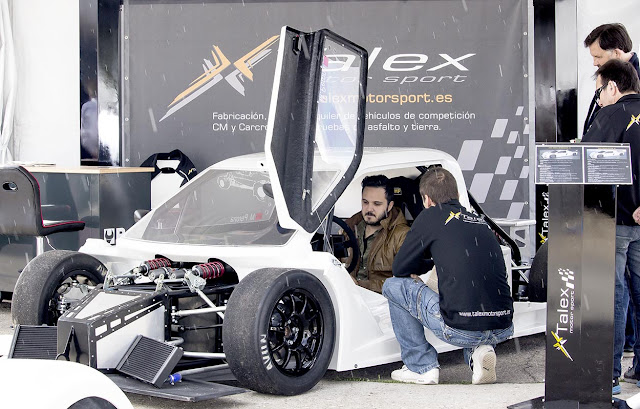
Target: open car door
column 315, row 129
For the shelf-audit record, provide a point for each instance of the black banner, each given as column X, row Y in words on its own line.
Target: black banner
column 444, row 74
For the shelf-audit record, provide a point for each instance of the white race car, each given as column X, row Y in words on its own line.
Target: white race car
column 242, row 266
column 558, row 153
column 607, row 153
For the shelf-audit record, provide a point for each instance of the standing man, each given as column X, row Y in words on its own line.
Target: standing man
column 380, row 229
column 474, row 308
column 608, row 42
column 619, row 121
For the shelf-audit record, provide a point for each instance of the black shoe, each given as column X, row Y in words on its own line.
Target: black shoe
column 631, row 375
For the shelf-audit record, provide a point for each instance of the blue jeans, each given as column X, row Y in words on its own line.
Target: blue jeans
column 630, row 329
column 414, row 306
column 627, row 256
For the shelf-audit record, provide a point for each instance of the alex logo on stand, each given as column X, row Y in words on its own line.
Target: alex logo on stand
column 564, row 324
column 544, row 221
column 559, row 345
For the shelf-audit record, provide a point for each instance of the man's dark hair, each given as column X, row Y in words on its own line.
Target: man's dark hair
column 611, row 36
column 439, row 185
column 379, row 181
column 622, row 73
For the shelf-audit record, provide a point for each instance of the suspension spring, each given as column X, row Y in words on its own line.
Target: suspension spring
column 214, row 269
column 150, row 265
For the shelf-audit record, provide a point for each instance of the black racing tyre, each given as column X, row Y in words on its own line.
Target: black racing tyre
column 538, row 275
column 92, row 402
column 279, row 331
column 46, row 279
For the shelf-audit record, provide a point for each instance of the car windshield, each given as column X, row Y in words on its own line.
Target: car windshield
column 223, row 207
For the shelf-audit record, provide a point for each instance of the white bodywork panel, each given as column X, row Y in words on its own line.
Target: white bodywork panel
column 80, row 382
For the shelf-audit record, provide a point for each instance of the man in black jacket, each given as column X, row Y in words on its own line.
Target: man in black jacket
column 473, row 309
column 608, row 42
column 619, row 121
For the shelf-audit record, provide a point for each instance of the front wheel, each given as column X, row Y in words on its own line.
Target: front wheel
column 51, row 283
column 279, row 331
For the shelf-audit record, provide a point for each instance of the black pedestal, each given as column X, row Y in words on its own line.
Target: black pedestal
column 580, row 289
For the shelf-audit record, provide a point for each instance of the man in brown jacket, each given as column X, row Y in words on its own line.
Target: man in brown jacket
column 380, row 229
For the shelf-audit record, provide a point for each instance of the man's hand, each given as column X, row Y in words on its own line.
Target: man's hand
column 636, row 215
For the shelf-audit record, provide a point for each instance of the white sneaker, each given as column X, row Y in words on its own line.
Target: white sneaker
column 404, row 374
column 484, row 365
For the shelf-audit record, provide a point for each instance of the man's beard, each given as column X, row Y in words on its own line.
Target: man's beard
column 375, row 222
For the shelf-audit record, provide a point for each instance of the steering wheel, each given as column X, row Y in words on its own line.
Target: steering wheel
column 351, row 243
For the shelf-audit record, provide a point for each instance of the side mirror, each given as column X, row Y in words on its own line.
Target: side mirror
column 139, row 214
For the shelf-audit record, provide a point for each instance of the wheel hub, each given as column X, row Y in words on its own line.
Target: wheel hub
column 295, row 332
column 68, row 293
column 292, row 331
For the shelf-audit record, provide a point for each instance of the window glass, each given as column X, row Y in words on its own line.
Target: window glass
column 337, row 117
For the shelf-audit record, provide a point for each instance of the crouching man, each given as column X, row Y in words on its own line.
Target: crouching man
column 473, row 309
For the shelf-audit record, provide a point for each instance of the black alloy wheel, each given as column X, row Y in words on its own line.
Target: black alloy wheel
column 295, row 332
column 279, row 331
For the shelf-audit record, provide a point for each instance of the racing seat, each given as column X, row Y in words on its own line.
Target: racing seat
column 21, row 213
column 172, row 170
column 406, row 196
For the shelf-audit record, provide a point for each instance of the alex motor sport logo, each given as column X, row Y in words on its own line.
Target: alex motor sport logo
column 544, row 229
column 564, row 324
column 452, row 215
column 213, row 74
column 407, row 64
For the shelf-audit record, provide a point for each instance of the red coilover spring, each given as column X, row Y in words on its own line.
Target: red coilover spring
column 149, row 265
column 214, row 269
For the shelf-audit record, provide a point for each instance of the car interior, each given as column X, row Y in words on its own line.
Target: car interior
column 405, row 182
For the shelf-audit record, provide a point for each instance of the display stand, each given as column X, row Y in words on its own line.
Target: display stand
column 581, row 272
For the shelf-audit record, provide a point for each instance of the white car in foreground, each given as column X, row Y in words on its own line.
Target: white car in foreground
column 241, row 267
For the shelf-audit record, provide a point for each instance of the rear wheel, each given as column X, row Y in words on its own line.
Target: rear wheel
column 279, row 331
column 51, row 283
